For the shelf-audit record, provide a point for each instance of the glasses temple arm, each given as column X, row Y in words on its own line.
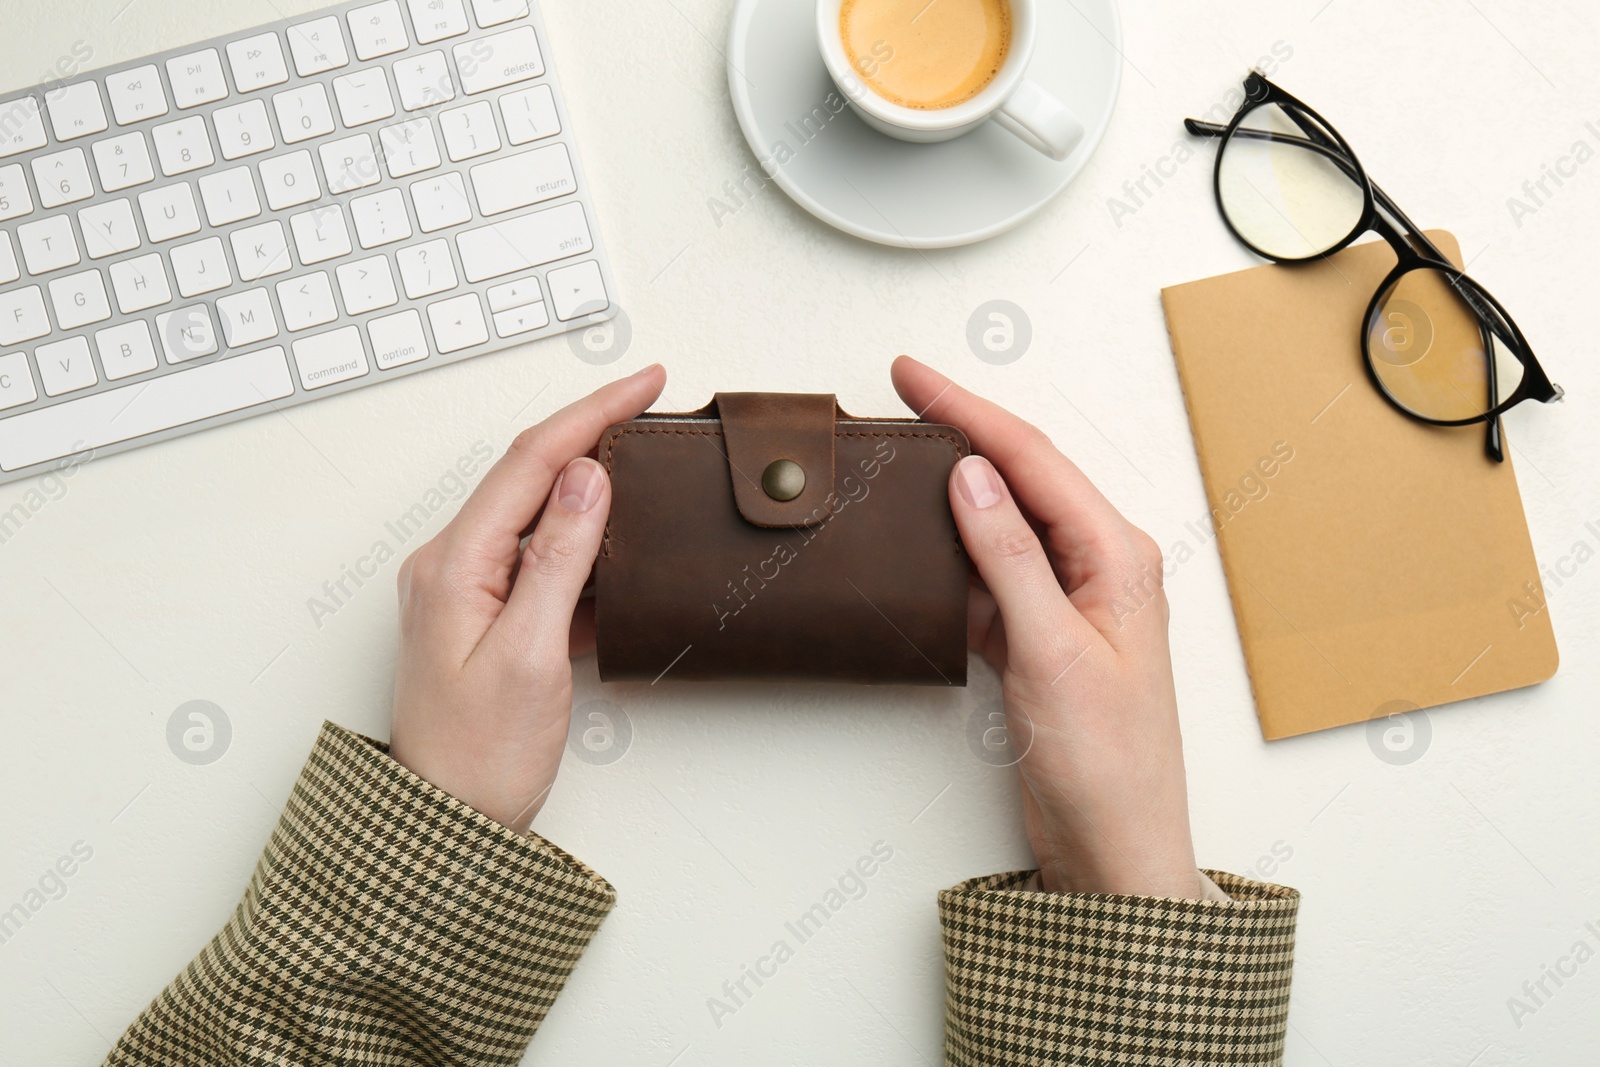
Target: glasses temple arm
column 1204, row 129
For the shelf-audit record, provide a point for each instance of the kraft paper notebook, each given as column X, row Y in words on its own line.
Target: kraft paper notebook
column 1375, row 563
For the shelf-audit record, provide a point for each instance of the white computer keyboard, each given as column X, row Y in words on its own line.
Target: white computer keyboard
column 290, row 212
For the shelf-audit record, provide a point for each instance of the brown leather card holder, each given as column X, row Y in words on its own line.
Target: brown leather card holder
column 770, row 536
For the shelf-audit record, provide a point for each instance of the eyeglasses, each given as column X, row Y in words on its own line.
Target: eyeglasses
column 1436, row 345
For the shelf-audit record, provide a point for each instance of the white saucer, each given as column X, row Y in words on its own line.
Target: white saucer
column 911, row 195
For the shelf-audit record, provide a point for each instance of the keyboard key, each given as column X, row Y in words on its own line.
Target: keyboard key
column 108, row 228
column 469, row 131
column 526, row 241
column 16, row 381
column 229, row 196
column 9, row 271
column 320, row 234
column 426, row 269
column 457, row 323
column 183, row 146
column 289, row 180
column 494, row 12
column 76, row 110
column 187, row 333
column 577, row 290
column 247, row 318
column 200, row 267
column 65, row 366
column 136, row 94
column 257, row 62
column 330, row 357
column 303, row 113
column 520, row 320
column 243, row 130
column 15, row 198
column 499, row 59
column 126, row 350
column 80, row 299
column 261, row 251
column 440, row 202
column 63, row 178
column 523, row 179
column 123, row 162
column 367, row 285
column 197, row 79
column 378, row 30
column 381, row 218
column 307, row 302
column 169, row 212
column 409, row 147
column 350, row 163
column 140, row 283
column 21, row 126
column 424, row 81
column 434, row 20
column 363, row 97
column 396, row 340
column 22, row 315
column 48, row 245
column 165, row 402
column 317, row 46
column 530, row 114
column 514, row 294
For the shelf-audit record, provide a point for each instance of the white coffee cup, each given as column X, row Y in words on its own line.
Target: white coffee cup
column 1013, row 101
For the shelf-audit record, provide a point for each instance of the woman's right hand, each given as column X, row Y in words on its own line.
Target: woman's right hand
column 1070, row 611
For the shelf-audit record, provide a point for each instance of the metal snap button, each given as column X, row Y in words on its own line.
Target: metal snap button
column 783, row 479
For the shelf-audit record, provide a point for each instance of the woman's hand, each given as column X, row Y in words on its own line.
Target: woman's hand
column 1070, row 610
column 483, row 688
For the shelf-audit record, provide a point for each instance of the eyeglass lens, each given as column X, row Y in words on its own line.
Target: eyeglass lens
column 1427, row 346
column 1283, row 193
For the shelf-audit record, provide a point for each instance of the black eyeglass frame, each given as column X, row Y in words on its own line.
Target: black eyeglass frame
column 1411, row 246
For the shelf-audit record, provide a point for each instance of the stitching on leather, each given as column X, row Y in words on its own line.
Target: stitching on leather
column 611, row 446
column 954, row 442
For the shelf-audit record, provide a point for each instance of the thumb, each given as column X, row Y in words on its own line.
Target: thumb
column 557, row 560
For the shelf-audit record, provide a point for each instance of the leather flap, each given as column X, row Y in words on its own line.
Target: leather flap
column 762, row 428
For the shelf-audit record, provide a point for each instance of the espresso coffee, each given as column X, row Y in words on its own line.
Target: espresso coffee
column 926, row 55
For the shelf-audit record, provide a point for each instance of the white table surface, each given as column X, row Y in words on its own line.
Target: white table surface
column 1433, row 890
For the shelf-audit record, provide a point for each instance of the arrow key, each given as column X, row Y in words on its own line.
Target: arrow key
column 577, row 290
column 458, row 323
column 520, row 320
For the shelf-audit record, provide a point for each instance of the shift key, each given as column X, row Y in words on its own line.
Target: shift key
column 525, row 241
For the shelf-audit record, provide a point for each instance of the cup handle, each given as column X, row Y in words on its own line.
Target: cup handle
column 1040, row 120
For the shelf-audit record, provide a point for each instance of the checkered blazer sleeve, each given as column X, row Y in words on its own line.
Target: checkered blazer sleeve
column 1040, row 978
column 386, row 923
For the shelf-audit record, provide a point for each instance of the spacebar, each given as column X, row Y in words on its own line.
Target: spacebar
column 144, row 408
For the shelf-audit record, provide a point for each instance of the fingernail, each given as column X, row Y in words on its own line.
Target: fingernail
column 580, row 485
column 977, row 482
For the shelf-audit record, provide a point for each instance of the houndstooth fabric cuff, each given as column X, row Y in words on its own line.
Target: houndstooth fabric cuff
column 386, row 922
column 1043, row 978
